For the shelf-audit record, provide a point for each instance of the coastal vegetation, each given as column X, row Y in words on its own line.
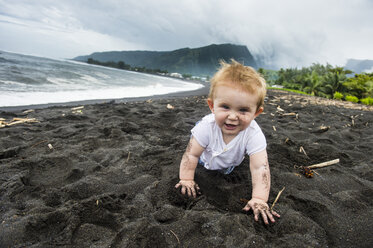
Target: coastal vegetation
column 324, row 81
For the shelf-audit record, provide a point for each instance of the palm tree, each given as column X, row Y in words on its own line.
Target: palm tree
column 334, row 80
column 314, row 84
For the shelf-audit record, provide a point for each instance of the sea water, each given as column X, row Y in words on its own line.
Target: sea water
column 27, row 80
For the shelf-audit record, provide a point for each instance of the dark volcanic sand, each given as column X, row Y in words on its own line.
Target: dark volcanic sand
column 109, row 181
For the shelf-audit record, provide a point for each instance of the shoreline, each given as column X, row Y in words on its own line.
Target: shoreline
column 199, row 92
column 289, row 96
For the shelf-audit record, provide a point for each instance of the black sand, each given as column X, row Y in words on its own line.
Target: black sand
column 109, row 179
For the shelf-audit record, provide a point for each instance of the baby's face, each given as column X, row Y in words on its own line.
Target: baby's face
column 234, row 109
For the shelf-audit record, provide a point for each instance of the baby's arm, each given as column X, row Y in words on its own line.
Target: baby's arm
column 261, row 184
column 188, row 166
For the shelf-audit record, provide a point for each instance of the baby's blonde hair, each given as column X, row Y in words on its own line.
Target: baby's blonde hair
column 236, row 74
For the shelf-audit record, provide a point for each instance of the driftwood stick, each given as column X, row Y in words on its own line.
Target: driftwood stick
column 28, row 111
column 169, row 106
column 20, row 120
column 280, row 109
column 177, row 238
column 289, row 114
column 278, row 196
column 43, row 141
column 25, row 119
column 77, row 108
column 335, row 161
column 301, row 149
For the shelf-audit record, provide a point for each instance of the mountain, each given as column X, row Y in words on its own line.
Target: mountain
column 196, row 61
column 359, row 66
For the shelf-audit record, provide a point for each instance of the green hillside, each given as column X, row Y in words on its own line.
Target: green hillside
column 195, row 61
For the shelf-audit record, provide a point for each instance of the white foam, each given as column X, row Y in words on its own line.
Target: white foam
column 11, row 82
column 58, row 81
column 89, row 79
column 38, row 97
column 102, row 75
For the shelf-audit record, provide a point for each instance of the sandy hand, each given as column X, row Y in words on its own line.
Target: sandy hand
column 260, row 207
column 188, row 186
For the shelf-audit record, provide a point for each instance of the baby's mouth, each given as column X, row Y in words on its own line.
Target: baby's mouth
column 230, row 126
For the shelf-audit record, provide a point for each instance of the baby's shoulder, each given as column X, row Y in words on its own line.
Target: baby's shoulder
column 210, row 118
column 205, row 124
column 254, row 125
column 252, row 129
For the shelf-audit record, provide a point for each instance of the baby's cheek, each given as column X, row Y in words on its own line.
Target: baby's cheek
column 219, row 117
column 245, row 118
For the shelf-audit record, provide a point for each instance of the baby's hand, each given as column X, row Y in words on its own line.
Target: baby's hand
column 260, row 206
column 188, row 186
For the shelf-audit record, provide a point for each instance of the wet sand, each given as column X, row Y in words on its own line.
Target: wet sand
column 109, row 179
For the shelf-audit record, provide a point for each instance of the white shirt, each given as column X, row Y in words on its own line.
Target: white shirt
column 218, row 155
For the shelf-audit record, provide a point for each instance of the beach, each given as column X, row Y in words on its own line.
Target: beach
column 103, row 175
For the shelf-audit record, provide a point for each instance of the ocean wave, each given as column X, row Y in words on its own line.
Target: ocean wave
column 27, row 80
column 10, row 82
column 30, row 98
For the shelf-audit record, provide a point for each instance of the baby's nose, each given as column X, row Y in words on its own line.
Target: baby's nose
column 233, row 115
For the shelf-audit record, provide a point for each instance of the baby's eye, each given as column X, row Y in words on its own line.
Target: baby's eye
column 244, row 110
column 225, row 106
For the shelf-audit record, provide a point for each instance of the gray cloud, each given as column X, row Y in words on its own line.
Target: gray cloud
column 283, row 33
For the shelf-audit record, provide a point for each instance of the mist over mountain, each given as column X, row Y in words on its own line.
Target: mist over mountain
column 359, row 66
column 196, row 61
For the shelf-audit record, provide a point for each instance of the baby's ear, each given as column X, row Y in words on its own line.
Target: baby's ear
column 259, row 111
column 210, row 102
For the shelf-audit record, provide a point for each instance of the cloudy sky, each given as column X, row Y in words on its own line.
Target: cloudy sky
column 283, row 32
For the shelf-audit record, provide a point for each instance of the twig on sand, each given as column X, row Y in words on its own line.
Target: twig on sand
column 301, row 149
column 43, row 141
column 16, row 121
column 178, row 240
column 324, row 128
column 353, row 119
column 280, row 109
column 278, row 196
column 77, row 108
column 2, row 122
column 169, row 106
column 128, row 157
column 289, row 114
column 28, row 111
column 327, row 163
